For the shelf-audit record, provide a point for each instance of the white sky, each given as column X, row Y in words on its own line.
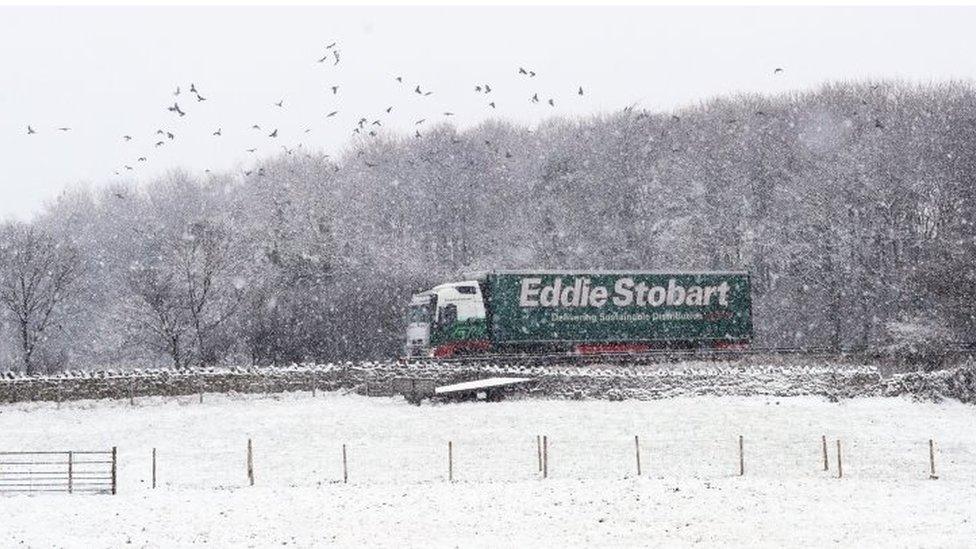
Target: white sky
column 109, row 71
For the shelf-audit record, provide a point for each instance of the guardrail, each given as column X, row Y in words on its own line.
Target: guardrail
column 70, row 471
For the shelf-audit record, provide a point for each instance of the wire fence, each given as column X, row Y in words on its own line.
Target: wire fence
column 213, row 464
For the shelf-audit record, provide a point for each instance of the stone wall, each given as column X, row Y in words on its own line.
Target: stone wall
column 566, row 382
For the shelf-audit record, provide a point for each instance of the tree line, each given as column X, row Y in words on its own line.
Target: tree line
column 852, row 206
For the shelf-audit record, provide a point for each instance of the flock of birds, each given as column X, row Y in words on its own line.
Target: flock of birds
column 364, row 126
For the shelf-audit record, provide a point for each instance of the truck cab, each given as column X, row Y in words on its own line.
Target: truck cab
column 447, row 320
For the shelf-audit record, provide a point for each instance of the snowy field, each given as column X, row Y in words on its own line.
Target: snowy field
column 398, row 493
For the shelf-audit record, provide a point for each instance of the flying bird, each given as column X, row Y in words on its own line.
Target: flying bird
column 141, row 159
column 120, row 196
column 177, row 92
column 218, row 132
column 255, row 127
column 417, row 134
column 335, row 90
column 274, row 133
column 580, row 92
column 160, row 143
column 251, row 150
column 127, row 167
column 63, row 129
column 419, row 122
column 127, row 137
column 522, row 71
column 448, row 114
column 487, row 88
column 280, row 104
column 388, row 109
column 417, row 90
column 335, row 53
column 535, row 98
column 331, row 114
column 324, row 58
column 492, row 104
column 200, row 98
column 477, row 89
column 551, row 102
column 170, row 136
column 399, row 79
column 176, row 108
column 30, row 130
column 777, row 70
column 193, row 88
column 330, row 46
column 427, row 93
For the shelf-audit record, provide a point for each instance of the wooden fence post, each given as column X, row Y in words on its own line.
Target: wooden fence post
column 538, row 450
column 545, row 456
column 742, row 459
column 345, row 469
column 450, row 461
column 637, row 450
column 932, row 474
column 250, row 462
column 154, row 468
column 823, row 441
column 132, row 398
column 59, row 395
column 840, row 463
column 313, row 390
column 70, row 472
column 114, row 469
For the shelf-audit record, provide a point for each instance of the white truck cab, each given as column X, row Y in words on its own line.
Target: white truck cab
column 440, row 309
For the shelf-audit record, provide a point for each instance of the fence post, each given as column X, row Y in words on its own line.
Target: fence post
column 742, row 459
column 59, row 395
column 545, row 456
column 345, row 469
column 823, row 441
column 450, row 461
column 114, row 469
column 250, row 463
column 154, row 468
column 313, row 390
column 932, row 474
column 637, row 450
column 538, row 450
column 70, row 472
column 132, row 398
column 840, row 463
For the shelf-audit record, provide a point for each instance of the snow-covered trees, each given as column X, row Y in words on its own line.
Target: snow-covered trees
column 853, row 206
column 38, row 274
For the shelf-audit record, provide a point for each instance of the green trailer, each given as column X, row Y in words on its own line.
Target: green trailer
column 581, row 312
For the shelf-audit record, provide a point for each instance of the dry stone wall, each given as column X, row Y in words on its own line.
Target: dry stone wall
column 565, row 382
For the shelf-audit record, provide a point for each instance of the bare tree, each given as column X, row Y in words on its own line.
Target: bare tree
column 38, row 274
column 158, row 314
column 212, row 294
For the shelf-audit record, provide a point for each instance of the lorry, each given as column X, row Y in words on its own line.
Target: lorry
column 580, row 312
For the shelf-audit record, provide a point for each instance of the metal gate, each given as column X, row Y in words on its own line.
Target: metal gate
column 68, row 471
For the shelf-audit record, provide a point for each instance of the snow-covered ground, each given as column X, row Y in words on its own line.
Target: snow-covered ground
column 398, row 492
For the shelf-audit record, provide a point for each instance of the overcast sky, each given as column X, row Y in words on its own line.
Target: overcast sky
column 111, row 71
